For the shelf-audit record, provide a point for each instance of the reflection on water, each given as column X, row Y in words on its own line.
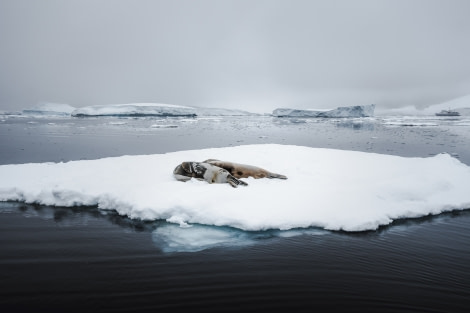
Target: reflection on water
column 356, row 124
column 83, row 259
column 75, row 216
column 169, row 237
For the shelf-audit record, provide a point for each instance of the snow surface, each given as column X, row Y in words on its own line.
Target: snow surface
column 351, row 111
column 135, row 109
column 327, row 188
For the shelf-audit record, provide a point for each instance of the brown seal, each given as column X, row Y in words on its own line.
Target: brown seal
column 243, row 170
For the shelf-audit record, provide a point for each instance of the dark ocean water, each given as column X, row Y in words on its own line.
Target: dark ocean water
column 82, row 259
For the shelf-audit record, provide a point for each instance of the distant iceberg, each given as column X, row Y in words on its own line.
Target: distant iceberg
column 48, row 109
column 460, row 105
column 351, row 111
column 222, row 112
column 135, row 109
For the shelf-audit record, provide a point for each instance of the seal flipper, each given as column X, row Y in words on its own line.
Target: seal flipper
column 234, row 182
column 274, row 175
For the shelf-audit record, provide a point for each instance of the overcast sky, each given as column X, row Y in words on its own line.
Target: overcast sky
column 252, row 55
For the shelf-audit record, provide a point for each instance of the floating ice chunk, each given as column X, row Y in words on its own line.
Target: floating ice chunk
column 172, row 238
column 326, row 188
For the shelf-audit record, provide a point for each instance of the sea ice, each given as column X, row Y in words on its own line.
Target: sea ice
column 326, row 188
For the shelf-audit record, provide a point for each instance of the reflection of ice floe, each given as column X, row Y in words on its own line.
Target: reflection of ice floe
column 423, row 121
column 340, row 112
column 66, row 217
column 356, row 124
column 463, row 123
column 163, row 126
column 409, row 123
column 210, row 118
column 135, row 109
column 288, row 121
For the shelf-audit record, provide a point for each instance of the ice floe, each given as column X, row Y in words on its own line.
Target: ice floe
column 326, row 188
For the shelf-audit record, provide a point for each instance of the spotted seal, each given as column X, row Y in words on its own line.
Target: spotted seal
column 206, row 171
column 243, row 170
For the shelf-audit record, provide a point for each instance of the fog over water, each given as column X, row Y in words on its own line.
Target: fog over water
column 251, row 55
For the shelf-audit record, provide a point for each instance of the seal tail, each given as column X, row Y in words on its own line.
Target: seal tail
column 234, row 182
column 274, row 175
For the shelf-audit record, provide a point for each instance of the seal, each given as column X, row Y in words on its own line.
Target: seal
column 206, row 171
column 243, row 170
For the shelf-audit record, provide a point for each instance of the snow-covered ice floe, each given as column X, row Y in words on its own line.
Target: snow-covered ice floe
column 326, row 188
column 350, row 111
column 135, row 109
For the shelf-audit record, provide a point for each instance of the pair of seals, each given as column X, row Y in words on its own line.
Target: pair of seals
column 216, row 171
column 205, row 171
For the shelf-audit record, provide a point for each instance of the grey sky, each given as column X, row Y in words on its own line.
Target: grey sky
column 253, row 55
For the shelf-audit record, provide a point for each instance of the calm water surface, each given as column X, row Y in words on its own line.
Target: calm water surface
column 83, row 259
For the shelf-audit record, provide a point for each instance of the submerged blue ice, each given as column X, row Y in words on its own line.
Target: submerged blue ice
column 173, row 238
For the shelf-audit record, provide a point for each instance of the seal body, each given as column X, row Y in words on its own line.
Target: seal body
column 243, row 170
column 206, row 171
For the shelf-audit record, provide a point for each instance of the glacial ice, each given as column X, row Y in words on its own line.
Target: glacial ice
column 135, row 109
column 461, row 105
column 50, row 109
column 350, row 111
column 222, row 112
